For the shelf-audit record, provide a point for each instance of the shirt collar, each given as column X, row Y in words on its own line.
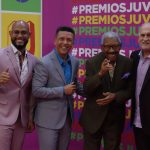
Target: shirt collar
column 61, row 61
column 141, row 55
column 16, row 51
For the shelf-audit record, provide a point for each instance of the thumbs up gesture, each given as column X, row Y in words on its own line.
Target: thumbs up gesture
column 4, row 76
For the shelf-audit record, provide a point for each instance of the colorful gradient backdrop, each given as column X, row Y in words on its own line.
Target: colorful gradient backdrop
column 90, row 19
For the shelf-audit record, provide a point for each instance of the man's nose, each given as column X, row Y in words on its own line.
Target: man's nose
column 65, row 41
column 20, row 34
column 111, row 49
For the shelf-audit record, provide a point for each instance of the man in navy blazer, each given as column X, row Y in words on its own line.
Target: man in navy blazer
column 141, row 96
column 54, row 82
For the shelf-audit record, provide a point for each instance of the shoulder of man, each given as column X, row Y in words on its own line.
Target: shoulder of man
column 135, row 53
column 122, row 57
column 96, row 58
column 74, row 58
column 31, row 56
column 125, row 59
column 3, row 51
column 48, row 56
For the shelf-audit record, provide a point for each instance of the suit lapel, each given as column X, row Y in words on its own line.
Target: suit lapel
column 107, row 82
column 106, row 79
column 29, row 69
column 117, row 71
column 147, row 78
column 72, row 68
column 58, row 66
column 136, row 63
column 12, row 58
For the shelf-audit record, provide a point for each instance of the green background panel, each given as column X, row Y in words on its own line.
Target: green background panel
column 28, row 6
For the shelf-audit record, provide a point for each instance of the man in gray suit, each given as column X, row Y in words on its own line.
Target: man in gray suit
column 54, row 82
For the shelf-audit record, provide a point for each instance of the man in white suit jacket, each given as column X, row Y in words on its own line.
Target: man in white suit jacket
column 15, row 88
column 54, row 82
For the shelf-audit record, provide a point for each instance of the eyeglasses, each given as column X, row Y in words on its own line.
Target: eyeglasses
column 107, row 47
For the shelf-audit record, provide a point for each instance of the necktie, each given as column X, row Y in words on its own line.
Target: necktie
column 20, row 56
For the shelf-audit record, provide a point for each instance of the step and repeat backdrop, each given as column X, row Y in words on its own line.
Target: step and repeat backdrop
column 90, row 19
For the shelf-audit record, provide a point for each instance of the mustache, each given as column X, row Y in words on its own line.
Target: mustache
column 146, row 42
column 112, row 53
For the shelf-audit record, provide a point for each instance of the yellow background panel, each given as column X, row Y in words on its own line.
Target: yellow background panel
column 34, row 45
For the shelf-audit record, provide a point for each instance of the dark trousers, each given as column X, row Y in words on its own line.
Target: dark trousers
column 110, row 132
column 142, row 140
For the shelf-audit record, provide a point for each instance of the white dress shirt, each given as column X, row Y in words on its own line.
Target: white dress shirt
column 24, row 70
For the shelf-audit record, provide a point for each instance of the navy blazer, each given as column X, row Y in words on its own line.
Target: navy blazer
column 144, row 95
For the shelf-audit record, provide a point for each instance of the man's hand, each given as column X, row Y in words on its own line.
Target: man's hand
column 30, row 126
column 4, row 77
column 109, row 97
column 105, row 67
column 69, row 89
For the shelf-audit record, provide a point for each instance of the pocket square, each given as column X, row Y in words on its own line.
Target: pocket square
column 126, row 75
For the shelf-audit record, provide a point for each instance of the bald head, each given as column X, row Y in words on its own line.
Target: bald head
column 20, row 23
column 145, row 26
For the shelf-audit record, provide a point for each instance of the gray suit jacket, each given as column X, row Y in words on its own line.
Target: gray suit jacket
column 48, row 89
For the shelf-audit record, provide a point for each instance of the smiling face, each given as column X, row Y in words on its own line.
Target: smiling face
column 144, row 38
column 64, row 43
column 111, row 48
column 20, row 35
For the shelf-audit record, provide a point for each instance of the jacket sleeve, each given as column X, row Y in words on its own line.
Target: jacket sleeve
column 93, row 80
column 126, row 92
column 39, row 84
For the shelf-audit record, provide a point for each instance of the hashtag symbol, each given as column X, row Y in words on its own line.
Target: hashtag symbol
column 74, row 20
column 74, row 51
column 75, row 10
